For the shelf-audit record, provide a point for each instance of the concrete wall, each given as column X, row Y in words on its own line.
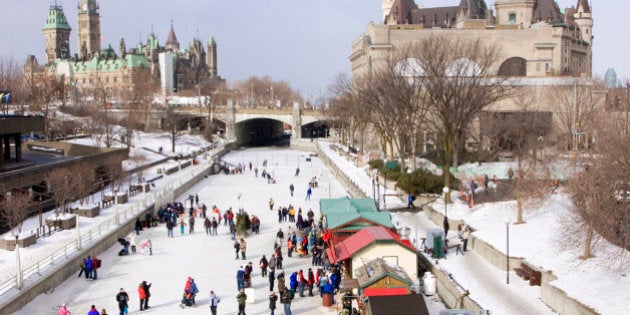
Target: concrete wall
column 69, row 268
column 561, row 303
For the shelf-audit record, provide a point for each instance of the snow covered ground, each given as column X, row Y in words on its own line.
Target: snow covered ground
column 210, row 260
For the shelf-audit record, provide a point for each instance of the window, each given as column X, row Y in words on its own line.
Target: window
column 512, row 18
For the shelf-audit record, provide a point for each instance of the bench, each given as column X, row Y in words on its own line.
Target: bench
column 108, row 201
column 528, row 273
column 134, row 189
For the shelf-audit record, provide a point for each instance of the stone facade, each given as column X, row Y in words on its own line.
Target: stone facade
column 541, row 46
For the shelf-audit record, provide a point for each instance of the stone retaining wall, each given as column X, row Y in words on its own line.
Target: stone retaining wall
column 69, row 268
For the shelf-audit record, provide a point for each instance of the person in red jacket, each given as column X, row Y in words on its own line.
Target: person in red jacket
column 95, row 266
column 310, row 281
column 142, row 294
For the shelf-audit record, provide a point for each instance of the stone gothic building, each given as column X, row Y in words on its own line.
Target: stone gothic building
column 95, row 67
column 541, row 46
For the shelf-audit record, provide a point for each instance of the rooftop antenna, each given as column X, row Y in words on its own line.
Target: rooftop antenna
column 152, row 30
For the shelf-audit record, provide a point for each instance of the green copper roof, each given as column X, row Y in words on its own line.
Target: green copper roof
column 110, row 65
column 342, row 212
column 56, row 19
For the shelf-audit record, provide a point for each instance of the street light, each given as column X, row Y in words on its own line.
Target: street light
column 507, row 252
column 445, row 223
column 409, row 188
column 378, row 191
column 385, row 189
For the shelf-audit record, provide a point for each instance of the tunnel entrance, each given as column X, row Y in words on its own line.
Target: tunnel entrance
column 316, row 129
column 262, row 132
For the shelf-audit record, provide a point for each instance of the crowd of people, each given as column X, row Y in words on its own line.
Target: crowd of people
column 303, row 240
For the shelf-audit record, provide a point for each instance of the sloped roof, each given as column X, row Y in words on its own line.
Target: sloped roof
column 584, row 4
column 342, row 211
column 364, row 238
column 378, row 268
column 397, row 304
column 547, row 11
column 56, row 19
column 171, row 41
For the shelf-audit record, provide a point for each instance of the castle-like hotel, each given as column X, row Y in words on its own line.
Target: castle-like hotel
column 94, row 66
column 537, row 38
column 541, row 46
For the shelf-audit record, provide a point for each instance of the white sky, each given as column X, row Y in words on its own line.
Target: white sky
column 210, row 259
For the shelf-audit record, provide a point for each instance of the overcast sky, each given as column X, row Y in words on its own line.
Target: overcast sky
column 303, row 42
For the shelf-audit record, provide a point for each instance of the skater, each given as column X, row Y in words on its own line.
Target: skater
column 169, row 228
column 243, row 247
column 214, row 301
column 241, row 297
column 146, row 286
column 263, row 266
column 132, row 242
column 96, row 263
column 240, row 278
column 410, row 199
column 82, row 269
column 272, row 278
column 208, row 225
column 93, row 311
column 270, row 204
column 88, row 267
column 191, row 225
column 237, row 248
column 285, row 298
column 122, row 297
column 182, row 225
column 291, row 188
column 297, row 172
column 215, row 224
column 309, row 191
column 272, row 301
column 142, row 294
column 63, row 310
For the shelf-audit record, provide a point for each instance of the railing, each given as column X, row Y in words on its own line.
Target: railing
column 65, row 252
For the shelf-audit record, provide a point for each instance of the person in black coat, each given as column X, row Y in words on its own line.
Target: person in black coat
column 272, row 279
column 272, row 301
column 122, row 297
column 146, row 287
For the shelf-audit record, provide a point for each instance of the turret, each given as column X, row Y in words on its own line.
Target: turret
column 584, row 19
column 211, row 58
column 56, row 34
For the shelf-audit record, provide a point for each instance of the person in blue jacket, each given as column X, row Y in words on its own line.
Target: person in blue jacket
column 240, row 280
column 88, row 267
column 293, row 282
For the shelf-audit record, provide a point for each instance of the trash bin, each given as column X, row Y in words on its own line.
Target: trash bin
column 429, row 285
column 437, row 246
column 327, row 299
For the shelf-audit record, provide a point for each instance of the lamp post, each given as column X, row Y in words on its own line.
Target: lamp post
column 507, row 252
column 378, row 191
column 409, row 188
column 385, row 189
column 76, row 215
column 445, row 223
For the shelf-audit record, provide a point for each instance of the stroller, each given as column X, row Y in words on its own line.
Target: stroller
column 125, row 244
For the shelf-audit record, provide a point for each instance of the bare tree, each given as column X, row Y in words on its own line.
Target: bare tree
column 348, row 111
column 523, row 131
column 575, row 108
column 172, row 124
column 11, row 79
column 14, row 209
column 460, row 83
column 601, row 191
column 63, row 183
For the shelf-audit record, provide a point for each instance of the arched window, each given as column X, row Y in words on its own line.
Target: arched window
column 409, row 67
column 463, row 67
column 513, row 67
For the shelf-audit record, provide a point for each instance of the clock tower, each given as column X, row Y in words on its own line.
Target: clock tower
column 89, row 28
